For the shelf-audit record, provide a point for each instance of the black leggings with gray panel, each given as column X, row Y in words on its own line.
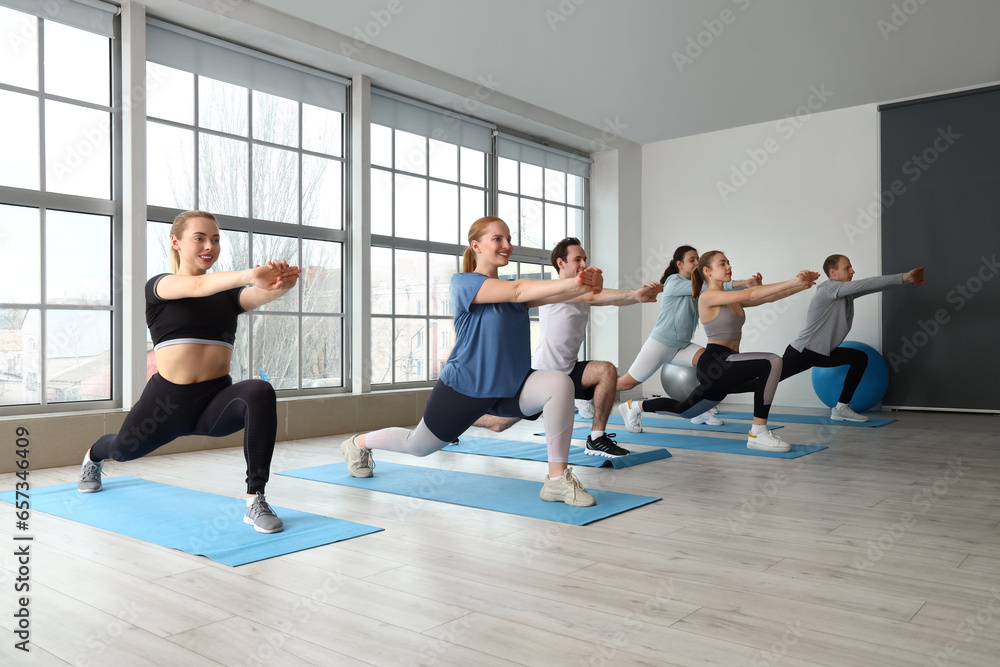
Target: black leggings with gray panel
column 216, row 408
column 723, row 371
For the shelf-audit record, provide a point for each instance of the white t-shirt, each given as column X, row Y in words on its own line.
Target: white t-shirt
column 563, row 328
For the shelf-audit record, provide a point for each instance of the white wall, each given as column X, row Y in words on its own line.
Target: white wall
column 615, row 247
column 784, row 211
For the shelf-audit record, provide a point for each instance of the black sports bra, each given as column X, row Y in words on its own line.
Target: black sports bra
column 209, row 320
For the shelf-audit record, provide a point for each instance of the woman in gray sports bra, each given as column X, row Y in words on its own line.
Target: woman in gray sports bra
column 722, row 368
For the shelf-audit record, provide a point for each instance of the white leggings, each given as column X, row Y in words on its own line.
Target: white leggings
column 548, row 392
column 654, row 354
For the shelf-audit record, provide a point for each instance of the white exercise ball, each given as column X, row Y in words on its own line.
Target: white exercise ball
column 678, row 381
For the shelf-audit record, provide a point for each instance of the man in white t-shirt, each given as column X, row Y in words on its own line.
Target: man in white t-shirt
column 563, row 329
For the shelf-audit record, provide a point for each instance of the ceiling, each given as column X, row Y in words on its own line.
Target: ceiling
column 654, row 70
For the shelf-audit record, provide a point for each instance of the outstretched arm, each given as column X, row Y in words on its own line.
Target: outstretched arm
column 533, row 292
column 257, row 295
column 752, row 281
column 760, row 294
column 915, row 276
column 620, row 297
column 182, row 287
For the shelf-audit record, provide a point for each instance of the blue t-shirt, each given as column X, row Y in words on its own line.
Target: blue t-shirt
column 492, row 353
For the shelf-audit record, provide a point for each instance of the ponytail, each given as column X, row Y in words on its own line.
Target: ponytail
column 678, row 257
column 468, row 261
column 476, row 231
column 698, row 277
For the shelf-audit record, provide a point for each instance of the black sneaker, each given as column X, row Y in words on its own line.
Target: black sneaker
column 605, row 446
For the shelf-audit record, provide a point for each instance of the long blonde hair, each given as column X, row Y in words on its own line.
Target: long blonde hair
column 177, row 229
column 698, row 276
column 476, row 231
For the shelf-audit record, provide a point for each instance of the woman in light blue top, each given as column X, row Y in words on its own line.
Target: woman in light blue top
column 670, row 340
column 489, row 370
column 722, row 368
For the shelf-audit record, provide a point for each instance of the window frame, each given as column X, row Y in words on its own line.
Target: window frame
column 44, row 201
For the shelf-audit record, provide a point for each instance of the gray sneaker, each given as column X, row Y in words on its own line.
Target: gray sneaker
column 567, row 489
column 359, row 460
column 90, row 475
column 260, row 515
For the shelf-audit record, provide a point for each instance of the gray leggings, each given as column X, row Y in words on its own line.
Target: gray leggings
column 548, row 392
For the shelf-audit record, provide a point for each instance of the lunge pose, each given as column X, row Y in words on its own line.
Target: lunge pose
column 670, row 340
column 489, row 370
column 722, row 369
column 828, row 321
column 192, row 317
column 563, row 329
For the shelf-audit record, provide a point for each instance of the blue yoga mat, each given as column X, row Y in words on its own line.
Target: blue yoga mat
column 500, row 494
column 677, row 422
column 807, row 419
column 199, row 523
column 533, row 451
column 703, row 443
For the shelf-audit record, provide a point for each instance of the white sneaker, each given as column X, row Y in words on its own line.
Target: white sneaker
column 714, row 410
column 707, row 418
column 768, row 442
column 632, row 416
column 566, row 489
column 845, row 414
column 585, row 408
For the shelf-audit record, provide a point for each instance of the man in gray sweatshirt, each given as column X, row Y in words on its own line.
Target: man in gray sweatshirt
column 829, row 320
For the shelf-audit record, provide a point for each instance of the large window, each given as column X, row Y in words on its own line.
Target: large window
column 433, row 174
column 261, row 143
column 542, row 190
column 57, row 217
column 429, row 183
column 267, row 158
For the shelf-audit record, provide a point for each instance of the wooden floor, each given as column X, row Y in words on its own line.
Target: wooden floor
column 883, row 549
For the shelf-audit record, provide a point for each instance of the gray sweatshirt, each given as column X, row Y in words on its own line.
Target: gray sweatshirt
column 831, row 312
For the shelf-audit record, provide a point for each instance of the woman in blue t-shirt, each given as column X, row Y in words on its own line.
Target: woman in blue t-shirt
column 192, row 315
column 489, row 370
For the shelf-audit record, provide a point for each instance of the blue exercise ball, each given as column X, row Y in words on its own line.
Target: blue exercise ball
column 829, row 382
column 678, row 381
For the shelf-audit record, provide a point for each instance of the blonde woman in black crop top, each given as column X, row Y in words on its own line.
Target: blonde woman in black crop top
column 192, row 317
column 722, row 368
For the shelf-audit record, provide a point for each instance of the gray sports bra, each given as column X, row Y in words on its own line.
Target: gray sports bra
column 726, row 325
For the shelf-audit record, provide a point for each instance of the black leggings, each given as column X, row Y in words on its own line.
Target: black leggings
column 722, row 371
column 794, row 362
column 167, row 411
